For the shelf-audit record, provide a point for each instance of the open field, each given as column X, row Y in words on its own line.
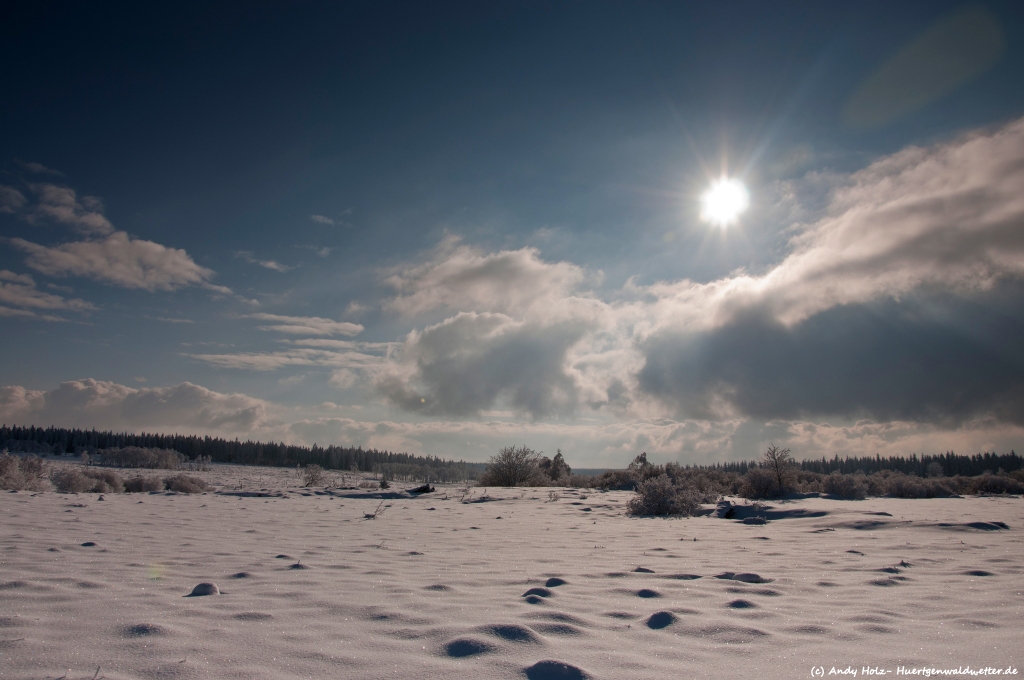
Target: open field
column 497, row 583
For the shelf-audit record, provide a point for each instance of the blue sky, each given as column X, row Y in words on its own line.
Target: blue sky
column 445, row 228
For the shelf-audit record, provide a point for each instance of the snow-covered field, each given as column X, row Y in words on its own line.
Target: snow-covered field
column 502, row 583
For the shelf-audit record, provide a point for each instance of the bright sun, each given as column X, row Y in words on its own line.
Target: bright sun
column 723, row 202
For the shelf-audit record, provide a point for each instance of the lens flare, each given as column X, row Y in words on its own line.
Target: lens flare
column 724, row 201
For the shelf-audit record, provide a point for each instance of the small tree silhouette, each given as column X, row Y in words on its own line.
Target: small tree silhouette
column 640, row 463
column 556, row 468
column 780, row 463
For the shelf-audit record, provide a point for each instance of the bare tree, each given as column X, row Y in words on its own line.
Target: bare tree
column 512, row 466
column 780, row 463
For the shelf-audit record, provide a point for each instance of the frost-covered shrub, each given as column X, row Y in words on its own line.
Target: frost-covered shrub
column 185, row 484
column 22, row 472
column 659, row 496
column 994, row 484
column 907, row 486
column 314, row 475
column 74, row 480
column 144, row 484
column 759, row 483
column 849, row 487
column 70, row 480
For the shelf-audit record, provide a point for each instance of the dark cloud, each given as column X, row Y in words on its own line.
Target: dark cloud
column 926, row 358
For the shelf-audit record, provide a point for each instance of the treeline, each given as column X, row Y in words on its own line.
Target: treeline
column 59, row 440
column 952, row 464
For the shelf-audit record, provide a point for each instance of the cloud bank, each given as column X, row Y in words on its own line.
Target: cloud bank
column 96, row 403
column 899, row 303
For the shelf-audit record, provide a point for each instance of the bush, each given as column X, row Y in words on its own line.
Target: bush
column 17, row 472
column 69, row 480
column 806, row 481
column 759, row 483
column 106, row 481
column 72, row 480
column 201, row 463
column 617, row 480
column 659, row 496
column 580, row 481
column 313, row 475
column 994, row 484
column 185, row 484
column 514, row 466
column 143, row 484
column 708, row 484
column 906, row 486
column 849, row 487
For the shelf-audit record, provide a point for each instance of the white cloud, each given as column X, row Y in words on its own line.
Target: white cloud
column 105, row 254
column 107, row 405
column 351, row 363
column 462, row 278
column 61, row 204
column 20, row 297
column 120, row 260
column 266, row 264
column 321, row 219
column 307, row 325
column 11, row 200
column 40, row 169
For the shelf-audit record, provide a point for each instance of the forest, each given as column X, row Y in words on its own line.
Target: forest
column 67, row 441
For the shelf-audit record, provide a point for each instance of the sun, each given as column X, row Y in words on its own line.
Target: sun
column 724, row 201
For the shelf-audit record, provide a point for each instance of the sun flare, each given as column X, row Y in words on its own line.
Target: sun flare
column 724, row 201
